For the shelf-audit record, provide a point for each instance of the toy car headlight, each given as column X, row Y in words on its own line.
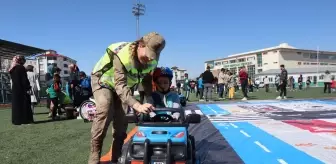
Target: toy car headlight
column 140, row 134
column 179, row 135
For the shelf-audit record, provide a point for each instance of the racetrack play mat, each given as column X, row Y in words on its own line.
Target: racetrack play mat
column 300, row 132
column 268, row 132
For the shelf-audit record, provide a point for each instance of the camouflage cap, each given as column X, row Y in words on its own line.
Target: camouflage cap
column 155, row 43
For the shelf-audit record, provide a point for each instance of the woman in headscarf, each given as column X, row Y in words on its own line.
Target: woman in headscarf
column 21, row 105
column 34, row 84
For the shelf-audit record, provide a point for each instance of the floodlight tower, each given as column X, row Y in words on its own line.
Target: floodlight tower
column 138, row 10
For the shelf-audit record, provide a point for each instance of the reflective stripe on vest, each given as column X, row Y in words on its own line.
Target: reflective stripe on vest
column 133, row 76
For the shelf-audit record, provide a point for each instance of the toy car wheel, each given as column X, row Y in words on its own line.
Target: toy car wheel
column 124, row 158
column 191, row 149
column 85, row 107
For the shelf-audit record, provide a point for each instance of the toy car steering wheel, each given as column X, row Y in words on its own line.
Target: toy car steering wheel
column 162, row 118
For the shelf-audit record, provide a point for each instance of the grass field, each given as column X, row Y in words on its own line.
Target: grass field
column 67, row 141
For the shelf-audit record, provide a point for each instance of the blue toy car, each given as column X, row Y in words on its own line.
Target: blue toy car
column 162, row 139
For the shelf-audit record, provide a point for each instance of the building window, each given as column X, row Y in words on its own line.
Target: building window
column 299, row 63
column 250, row 58
column 251, row 71
column 306, row 55
column 259, row 59
column 65, row 66
column 51, row 58
column 232, row 61
column 314, row 79
column 299, row 53
column 225, row 62
column 265, row 63
column 259, row 70
column 321, row 77
column 275, row 62
column 270, row 79
column 65, row 59
column 241, row 60
column 66, row 72
column 313, row 56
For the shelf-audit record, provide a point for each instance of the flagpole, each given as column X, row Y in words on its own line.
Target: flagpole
column 318, row 65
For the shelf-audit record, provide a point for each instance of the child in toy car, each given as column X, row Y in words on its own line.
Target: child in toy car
column 163, row 96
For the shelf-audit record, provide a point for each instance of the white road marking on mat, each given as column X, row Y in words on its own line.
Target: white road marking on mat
column 282, row 161
column 187, row 112
column 245, row 134
column 235, row 126
column 211, row 109
column 294, row 115
column 319, row 142
column 327, row 114
column 262, row 146
column 199, row 112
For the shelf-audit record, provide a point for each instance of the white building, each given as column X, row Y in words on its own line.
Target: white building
column 271, row 58
column 179, row 72
column 51, row 57
column 178, row 75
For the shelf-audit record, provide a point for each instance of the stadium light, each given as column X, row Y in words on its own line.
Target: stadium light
column 138, row 10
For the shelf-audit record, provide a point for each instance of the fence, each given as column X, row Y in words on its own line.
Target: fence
column 5, row 88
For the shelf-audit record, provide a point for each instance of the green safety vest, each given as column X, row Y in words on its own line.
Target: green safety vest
column 121, row 49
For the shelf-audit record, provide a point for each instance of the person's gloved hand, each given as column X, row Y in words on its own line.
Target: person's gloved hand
column 143, row 108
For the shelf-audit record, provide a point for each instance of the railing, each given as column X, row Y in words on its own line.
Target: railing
column 5, row 88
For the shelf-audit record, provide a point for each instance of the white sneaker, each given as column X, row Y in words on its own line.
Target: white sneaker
column 284, row 97
column 244, row 99
column 279, row 98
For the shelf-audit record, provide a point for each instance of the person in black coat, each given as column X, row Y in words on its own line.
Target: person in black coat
column 74, row 92
column 21, row 104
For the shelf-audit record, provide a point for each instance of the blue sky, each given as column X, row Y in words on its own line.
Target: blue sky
column 195, row 31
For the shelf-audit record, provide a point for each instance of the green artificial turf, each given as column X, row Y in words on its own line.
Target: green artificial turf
column 66, row 141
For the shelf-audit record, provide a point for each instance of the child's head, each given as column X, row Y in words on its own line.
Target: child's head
column 162, row 78
column 82, row 75
column 57, row 78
